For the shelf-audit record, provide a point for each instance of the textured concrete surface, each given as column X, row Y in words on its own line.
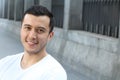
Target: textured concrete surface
column 8, row 44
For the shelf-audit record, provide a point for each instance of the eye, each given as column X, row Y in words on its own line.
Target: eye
column 40, row 31
column 27, row 28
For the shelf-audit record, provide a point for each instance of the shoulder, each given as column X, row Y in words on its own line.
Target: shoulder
column 9, row 59
column 56, row 70
column 53, row 63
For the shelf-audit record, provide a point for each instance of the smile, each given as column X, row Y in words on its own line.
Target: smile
column 31, row 43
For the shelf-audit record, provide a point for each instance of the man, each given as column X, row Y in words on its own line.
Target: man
column 34, row 63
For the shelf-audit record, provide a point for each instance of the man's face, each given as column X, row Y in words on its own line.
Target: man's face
column 35, row 33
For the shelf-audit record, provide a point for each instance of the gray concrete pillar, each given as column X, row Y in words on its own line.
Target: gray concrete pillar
column 8, row 8
column 46, row 3
column 11, row 7
column 73, row 14
column 66, row 14
column 3, row 16
column 76, row 8
column 19, row 9
column 3, row 4
column 28, row 3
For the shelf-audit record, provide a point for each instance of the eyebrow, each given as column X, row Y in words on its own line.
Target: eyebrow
column 27, row 25
column 39, row 27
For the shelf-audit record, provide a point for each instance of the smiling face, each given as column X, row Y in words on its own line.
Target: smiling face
column 35, row 33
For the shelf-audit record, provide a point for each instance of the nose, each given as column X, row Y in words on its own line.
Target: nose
column 32, row 34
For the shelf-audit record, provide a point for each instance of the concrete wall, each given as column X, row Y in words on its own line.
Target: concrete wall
column 93, row 56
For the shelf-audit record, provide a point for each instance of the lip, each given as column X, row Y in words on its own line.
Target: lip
column 31, row 43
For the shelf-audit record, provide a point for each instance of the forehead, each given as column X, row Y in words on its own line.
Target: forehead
column 29, row 18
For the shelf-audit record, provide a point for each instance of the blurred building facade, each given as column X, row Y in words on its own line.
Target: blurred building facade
column 86, row 33
column 96, row 16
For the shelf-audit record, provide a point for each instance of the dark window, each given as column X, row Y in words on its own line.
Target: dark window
column 58, row 11
column 101, row 17
column 36, row 2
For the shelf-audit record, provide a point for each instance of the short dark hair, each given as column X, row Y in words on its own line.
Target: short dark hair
column 38, row 10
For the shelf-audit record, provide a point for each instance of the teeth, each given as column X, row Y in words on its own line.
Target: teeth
column 31, row 42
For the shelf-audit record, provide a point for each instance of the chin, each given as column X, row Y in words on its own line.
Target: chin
column 32, row 52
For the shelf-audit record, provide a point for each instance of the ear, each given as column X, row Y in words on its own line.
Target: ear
column 51, row 34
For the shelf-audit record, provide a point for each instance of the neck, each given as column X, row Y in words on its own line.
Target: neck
column 30, row 59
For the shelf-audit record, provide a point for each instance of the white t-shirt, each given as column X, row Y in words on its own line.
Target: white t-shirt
column 46, row 69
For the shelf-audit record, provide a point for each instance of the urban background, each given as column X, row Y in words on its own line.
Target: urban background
column 86, row 40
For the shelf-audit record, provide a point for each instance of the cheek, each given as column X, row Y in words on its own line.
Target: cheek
column 23, row 35
column 43, row 39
